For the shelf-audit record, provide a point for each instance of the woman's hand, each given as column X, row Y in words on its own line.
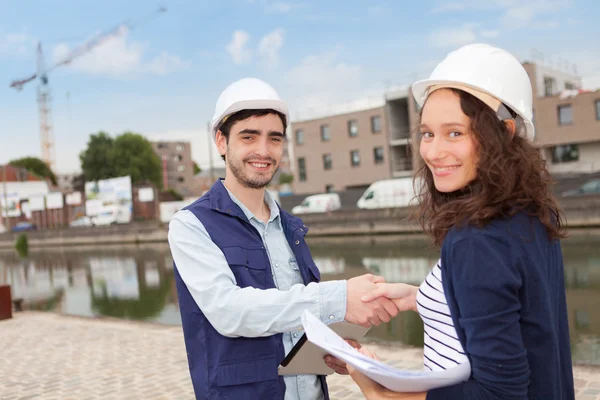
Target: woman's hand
column 338, row 365
column 373, row 390
column 402, row 294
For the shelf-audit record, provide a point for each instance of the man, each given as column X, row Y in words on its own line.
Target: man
column 243, row 270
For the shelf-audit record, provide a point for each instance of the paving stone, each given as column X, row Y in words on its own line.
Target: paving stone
column 51, row 356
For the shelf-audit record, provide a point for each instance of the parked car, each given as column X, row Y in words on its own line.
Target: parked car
column 318, row 203
column 23, row 227
column 81, row 221
column 388, row 193
column 590, row 187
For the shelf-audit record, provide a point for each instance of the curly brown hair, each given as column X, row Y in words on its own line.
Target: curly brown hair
column 511, row 177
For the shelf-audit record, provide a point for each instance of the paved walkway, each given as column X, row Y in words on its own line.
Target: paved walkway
column 53, row 357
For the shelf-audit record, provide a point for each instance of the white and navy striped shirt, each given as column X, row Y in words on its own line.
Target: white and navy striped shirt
column 442, row 349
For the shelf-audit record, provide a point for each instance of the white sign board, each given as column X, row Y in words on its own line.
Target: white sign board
column 146, row 195
column 54, row 201
column 25, row 209
column 11, row 206
column 74, row 199
column 93, row 207
column 37, row 203
column 114, row 197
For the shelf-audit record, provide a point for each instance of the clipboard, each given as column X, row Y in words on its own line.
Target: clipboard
column 306, row 358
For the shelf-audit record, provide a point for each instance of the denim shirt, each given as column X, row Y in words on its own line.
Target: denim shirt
column 327, row 300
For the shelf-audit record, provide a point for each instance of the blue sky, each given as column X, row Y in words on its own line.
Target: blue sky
column 162, row 77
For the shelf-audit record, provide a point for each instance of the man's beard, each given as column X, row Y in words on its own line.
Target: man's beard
column 257, row 182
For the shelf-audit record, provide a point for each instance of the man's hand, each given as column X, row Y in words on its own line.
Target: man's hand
column 338, row 365
column 404, row 296
column 367, row 313
column 373, row 390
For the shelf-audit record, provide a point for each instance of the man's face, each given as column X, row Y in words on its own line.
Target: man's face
column 254, row 149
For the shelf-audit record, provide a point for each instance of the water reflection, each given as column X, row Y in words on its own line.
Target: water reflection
column 136, row 282
column 130, row 283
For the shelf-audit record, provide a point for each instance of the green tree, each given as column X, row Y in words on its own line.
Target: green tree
column 197, row 169
column 285, row 178
column 128, row 154
column 96, row 159
column 35, row 166
column 133, row 155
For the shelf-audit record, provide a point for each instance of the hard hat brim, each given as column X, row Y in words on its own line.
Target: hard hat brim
column 420, row 89
column 255, row 104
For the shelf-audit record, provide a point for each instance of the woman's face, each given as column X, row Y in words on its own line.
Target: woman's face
column 447, row 145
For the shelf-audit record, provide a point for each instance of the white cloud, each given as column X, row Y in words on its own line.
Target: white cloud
column 164, row 63
column 237, row 47
column 279, row 7
column 514, row 13
column 269, row 47
column 320, row 83
column 120, row 57
column 489, row 34
column 377, row 11
column 452, row 37
column 16, row 44
column 450, row 6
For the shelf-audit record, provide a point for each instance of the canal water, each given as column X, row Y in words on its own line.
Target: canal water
column 136, row 282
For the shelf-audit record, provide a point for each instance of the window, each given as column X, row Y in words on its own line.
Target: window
column 325, row 133
column 549, row 84
column 569, row 86
column 352, row 128
column 181, row 168
column 327, row 161
column 180, row 179
column 565, row 114
column 162, row 145
column 299, row 136
column 378, row 155
column 598, row 110
column 329, row 188
column 565, row 153
column 376, row 124
column 302, row 169
column 355, row 158
column 179, row 148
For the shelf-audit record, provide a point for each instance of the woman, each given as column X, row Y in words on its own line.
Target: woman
column 496, row 299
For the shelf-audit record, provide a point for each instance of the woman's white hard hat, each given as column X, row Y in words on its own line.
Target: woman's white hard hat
column 246, row 94
column 489, row 70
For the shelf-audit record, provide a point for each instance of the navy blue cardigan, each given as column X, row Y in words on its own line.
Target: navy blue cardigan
column 505, row 288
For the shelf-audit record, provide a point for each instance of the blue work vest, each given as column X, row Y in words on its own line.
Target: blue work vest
column 238, row 368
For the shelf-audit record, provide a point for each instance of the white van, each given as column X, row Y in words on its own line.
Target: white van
column 318, row 203
column 389, row 193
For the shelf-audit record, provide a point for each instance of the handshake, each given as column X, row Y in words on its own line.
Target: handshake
column 371, row 301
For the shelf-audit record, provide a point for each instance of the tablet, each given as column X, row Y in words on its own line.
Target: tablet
column 306, row 358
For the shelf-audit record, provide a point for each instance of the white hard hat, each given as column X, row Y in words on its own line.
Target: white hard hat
column 487, row 69
column 247, row 94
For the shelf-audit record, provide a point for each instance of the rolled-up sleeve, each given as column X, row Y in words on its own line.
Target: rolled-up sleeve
column 247, row 312
column 484, row 281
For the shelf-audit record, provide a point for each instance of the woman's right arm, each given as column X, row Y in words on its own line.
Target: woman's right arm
column 402, row 294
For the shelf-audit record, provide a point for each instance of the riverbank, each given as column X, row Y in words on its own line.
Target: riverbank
column 582, row 216
column 50, row 356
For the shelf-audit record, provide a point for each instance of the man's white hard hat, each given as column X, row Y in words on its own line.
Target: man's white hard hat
column 246, row 94
column 484, row 71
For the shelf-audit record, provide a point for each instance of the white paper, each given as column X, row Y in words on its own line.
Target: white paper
column 392, row 378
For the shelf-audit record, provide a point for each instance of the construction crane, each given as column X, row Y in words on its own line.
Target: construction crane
column 43, row 89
